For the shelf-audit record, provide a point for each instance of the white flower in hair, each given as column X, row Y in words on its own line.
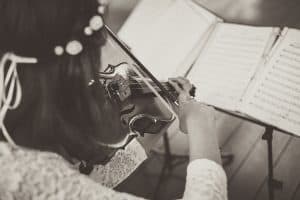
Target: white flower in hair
column 74, row 47
column 101, row 10
column 96, row 23
column 59, row 50
column 103, row 2
column 88, row 31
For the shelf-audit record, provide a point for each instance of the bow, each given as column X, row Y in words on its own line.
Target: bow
column 10, row 87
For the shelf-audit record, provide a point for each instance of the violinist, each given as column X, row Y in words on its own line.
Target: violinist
column 51, row 118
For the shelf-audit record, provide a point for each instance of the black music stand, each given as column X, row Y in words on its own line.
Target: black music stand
column 273, row 184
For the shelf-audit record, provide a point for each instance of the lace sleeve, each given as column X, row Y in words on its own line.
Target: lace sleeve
column 121, row 165
column 205, row 179
column 32, row 175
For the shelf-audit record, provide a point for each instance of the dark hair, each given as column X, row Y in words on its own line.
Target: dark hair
column 58, row 108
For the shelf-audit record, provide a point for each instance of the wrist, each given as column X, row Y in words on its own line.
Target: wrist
column 203, row 142
column 204, row 146
column 193, row 122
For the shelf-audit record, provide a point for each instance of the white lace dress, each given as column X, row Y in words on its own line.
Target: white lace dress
column 34, row 175
column 124, row 163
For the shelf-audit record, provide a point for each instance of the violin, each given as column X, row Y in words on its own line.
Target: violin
column 120, row 88
column 141, row 98
column 140, row 113
column 126, row 89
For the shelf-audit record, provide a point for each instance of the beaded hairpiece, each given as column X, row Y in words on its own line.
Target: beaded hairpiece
column 74, row 47
column 10, row 86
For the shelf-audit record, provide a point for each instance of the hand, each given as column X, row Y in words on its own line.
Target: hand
column 198, row 121
column 189, row 109
column 182, row 87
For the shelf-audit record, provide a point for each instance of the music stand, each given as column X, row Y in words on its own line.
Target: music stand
column 273, row 184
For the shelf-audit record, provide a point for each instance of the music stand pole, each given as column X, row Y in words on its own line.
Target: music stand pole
column 273, row 184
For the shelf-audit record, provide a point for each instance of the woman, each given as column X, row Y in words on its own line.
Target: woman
column 55, row 46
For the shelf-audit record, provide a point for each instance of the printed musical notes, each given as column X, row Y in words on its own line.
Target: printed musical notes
column 229, row 61
column 275, row 97
column 233, row 68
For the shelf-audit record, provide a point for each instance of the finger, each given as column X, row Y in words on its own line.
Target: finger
column 179, row 81
column 185, row 83
column 175, row 80
column 183, row 99
column 188, row 87
column 176, row 86
column 183, row 79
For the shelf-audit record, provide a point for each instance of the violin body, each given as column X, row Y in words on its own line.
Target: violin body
column 141, row 112
column 144, row 103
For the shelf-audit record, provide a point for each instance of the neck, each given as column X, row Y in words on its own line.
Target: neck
column 140, row 88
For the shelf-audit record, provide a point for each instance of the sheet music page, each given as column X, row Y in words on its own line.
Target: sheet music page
column 275, row 97
column 166, row 42
column 228, row 62
column 144, row 15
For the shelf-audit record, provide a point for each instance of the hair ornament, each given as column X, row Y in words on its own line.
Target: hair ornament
column 91, row 82
column 96, row 23
column 101, row 10
column 59, row 50
column 10, row 87
column 88, row 31
column 75, row 47
column 102, row 6
column 103, row 2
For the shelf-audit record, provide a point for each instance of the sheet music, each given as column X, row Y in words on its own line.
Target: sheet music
column 144, row 15
column 229, row 61
column 166, row 42
column 275, row 97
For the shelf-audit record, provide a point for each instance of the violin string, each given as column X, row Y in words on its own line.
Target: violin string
column 140, row 85
column 166, row 86
column 133, row 83
column 145, row 87
column 162, row 100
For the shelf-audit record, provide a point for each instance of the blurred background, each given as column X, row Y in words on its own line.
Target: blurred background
column 119, row 10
